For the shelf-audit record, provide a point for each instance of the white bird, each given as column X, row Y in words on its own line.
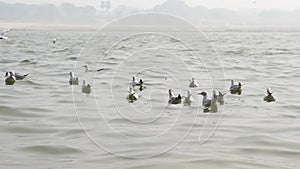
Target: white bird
column 73, row 80
column 54, row 40
column 188, row 99
column 235, row 89
column 19, row 76
column 135, row 82
column 193, row 83
column 2, row 34
column 9, row 78
column 269, row 97
column 209, row 103
column 86, row 88
column 220, row 98
column 132, row 96
column 173, row 99
column 89, row 70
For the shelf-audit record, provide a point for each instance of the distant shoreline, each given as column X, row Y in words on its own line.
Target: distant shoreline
column 93, row 27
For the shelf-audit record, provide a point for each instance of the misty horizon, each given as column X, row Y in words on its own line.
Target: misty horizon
column 68, row 13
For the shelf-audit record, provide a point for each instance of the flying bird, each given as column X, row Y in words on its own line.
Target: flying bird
column 2, row 34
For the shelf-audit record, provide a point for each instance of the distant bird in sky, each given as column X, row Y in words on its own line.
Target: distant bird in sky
column 2, row 34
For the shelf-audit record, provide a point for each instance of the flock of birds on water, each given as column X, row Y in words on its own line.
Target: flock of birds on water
column 209, row 104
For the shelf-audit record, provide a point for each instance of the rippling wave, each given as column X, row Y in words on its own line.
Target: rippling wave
column 39, row 127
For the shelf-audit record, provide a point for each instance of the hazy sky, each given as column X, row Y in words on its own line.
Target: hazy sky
column 230, row 4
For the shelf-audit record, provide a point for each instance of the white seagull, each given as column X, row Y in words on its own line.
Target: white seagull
column 173, row 99
column 188, row 99
column 269, row 97
column 235, row 89
column 2, row 34
column 209, row 103
column 19, row 76
column 132, row 96
column 135, row 82
column 193, row 83
column 73, row 80
column 89, row 70
column 9, row 78
column 86, row 88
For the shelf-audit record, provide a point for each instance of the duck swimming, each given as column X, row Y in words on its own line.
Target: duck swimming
column 173, row 99
column 73, row 80
column 134, row 82
column 9, row 78
column 194, row 83
column 235, row 89
column 86, row 88
column 132, row 96
column 269, row 97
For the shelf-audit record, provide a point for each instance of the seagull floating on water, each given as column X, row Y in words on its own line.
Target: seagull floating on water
column 132, row 96
column 89, row 70
column 173, row 99
column 209, row 103
column 193, row 83
column 54, row 40
column 269, row 97
column 19, row 76
column 86, row 88
column 220, row 98
column 235, row 89
column 73, row 80
column 2, row 34
column 188, row 99
column 9, row 78
column 135, row 82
